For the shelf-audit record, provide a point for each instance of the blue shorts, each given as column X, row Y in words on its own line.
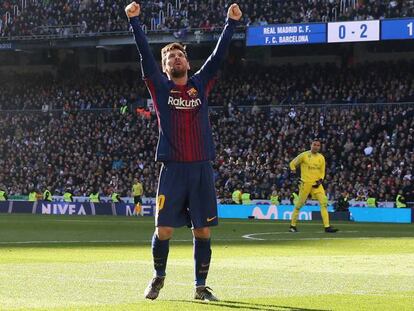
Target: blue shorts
column 186, row 195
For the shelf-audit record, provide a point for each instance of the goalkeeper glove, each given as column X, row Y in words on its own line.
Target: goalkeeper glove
column 318, row 183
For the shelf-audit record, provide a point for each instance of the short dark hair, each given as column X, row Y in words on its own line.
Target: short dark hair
column 170, row 47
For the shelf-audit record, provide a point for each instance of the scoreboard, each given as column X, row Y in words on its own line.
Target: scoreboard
column 286, row 34
column 397, row 29
column 353, row 31
column 336, row 32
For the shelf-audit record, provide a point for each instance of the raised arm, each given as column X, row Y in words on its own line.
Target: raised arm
column 148, row 64
column 212, row 64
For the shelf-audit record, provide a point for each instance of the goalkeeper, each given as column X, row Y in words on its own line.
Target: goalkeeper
column 312, row 168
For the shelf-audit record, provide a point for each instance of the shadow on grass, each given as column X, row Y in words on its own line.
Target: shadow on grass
column 247, row 306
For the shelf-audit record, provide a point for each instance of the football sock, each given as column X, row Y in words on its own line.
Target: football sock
column 323, row 201
column 160, row 249
column 325, row 215
column 295, row 215
column 202, row 257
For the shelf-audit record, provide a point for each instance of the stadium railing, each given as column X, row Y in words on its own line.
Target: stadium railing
column 265, row 108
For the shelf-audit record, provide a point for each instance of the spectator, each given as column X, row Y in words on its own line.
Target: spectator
column 95, row 17
column 257, row 146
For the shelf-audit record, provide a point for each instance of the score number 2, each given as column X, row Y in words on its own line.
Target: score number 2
column 363, row 28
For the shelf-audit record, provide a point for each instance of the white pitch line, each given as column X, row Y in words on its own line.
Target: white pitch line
column 250, row 236
column 117, row 221
column 243, row 238
column 100, row 241
column 92, row 241
column 71, row 242
column 317, row 239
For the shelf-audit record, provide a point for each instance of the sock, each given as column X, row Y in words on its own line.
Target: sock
column 323, row 201
column 295, row 215
column 202, row 257
column 325, row 215
column 160, row 250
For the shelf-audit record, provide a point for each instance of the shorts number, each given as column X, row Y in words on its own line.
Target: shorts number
column 160, row 202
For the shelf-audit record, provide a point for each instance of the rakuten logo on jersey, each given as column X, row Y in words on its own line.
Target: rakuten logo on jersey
column 179, row 103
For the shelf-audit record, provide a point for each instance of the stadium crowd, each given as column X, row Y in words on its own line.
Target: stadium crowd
column 83, row 91
column 81, row 151
column 368, row 148
column 99, row 16
column 377, row 82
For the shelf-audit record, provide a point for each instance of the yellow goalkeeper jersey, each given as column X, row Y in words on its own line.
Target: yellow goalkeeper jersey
column 312, row 166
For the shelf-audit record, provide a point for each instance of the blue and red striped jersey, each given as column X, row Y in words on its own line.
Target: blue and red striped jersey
column 182, row 110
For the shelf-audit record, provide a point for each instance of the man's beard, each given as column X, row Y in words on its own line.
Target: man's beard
column 178, row 73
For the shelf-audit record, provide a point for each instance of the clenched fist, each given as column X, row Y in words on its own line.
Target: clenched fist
column 133, row 9
column 234, row 12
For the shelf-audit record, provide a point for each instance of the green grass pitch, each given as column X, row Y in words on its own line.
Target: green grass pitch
column 104, row 263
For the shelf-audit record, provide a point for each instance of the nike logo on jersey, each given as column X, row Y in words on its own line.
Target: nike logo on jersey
column 211, row 219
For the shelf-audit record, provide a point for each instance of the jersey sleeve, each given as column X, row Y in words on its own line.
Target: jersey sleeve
column 296, row 162
column 149, row 66
column 210, row 68
column 323, row 168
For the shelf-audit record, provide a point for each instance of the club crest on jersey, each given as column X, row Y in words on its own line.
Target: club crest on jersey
column 193, row 93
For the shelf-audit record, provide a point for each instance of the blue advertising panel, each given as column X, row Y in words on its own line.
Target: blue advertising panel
column 125, row 209
column 103, row 208
column 282, row 212
column 397, row 29
column 23, row 207
column 394, row 215
column 6, row 46
column 286, row 34
column 63, row 208
column 4, row 207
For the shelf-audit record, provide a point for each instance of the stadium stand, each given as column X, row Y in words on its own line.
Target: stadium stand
column 83, row 145
column 377, row 82
column 87, row 17
column 67, row 130
column 365, row 146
